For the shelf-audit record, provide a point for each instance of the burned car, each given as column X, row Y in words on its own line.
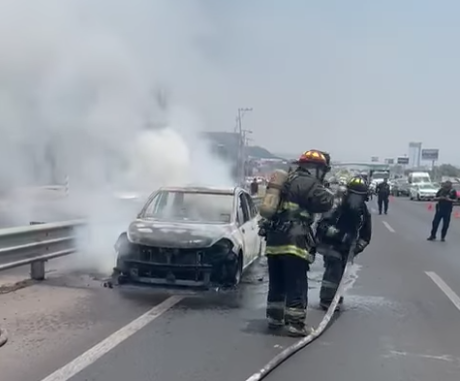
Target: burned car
column 190, row 236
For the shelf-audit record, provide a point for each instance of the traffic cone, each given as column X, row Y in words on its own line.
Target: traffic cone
column 429, row 206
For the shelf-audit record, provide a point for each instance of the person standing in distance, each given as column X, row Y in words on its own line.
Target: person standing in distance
column 445, row 197
column 290, row 245
column 383, row 195
column 254, row 187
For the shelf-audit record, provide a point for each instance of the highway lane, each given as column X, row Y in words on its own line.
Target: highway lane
column 56, row 321
column 51, row 323
column 398, row 323
column 220, row 337
column 412, row 220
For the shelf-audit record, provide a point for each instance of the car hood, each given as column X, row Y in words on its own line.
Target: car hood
column 177, row 234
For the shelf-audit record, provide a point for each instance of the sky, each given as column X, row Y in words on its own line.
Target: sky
column 358, row 78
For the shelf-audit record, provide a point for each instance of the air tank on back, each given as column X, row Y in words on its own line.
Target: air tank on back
column 272, row 197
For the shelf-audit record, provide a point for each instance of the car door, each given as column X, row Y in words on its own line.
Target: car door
column 254, row 229
column 244, row 226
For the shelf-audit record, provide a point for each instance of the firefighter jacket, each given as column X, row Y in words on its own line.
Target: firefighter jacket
column 290, row 231
column 337, row 231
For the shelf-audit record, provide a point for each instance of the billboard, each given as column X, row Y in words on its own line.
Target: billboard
column 403, row 160
column 430, row 154
column 374, row 159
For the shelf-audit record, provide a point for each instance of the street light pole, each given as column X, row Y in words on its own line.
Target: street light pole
column 241, row 142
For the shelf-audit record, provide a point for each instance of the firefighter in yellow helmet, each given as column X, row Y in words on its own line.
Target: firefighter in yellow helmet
column 347, row 226
column 290, row 243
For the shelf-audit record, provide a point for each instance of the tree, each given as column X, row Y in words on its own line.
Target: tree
column 448, row 170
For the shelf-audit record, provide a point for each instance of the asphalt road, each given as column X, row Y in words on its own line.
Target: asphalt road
column 400, row 322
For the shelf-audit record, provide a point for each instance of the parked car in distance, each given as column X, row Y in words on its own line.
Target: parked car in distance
column 456, row 186
column 400, row 188
column 426, row 191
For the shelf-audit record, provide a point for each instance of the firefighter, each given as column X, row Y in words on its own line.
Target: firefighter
column 290, row 243
column 346, row 226
column 383, row 195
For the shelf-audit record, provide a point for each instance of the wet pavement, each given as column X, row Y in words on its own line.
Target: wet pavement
column 397, row 323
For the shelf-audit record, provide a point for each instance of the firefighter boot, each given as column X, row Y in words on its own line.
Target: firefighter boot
column 275, row 315
column 295, row 322
column 298, row 330
column 275, row 324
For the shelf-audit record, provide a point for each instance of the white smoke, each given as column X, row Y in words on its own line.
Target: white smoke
column 76, row 76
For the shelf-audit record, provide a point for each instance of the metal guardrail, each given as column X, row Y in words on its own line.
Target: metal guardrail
column 40, row 242
column 36, row 244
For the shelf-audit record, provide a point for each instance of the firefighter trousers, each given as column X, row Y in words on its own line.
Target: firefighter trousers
column 334, row 267
column 287, row 289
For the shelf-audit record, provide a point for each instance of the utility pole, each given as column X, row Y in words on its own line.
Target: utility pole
column 241, row 160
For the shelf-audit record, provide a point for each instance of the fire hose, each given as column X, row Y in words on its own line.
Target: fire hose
column 302, row 343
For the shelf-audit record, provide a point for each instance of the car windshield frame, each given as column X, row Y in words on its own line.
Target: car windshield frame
column 162, row 207
column 379, row 176
column 421, row 180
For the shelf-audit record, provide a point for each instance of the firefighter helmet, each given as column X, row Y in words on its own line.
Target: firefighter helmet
column 357, row 185
column 314, row 157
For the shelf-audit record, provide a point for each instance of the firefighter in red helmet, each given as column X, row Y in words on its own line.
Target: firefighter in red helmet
column 290, row 244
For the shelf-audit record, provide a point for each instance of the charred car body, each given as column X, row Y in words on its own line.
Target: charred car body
column 195, row 237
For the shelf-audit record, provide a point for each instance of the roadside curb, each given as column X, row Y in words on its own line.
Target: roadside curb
column 3, row 336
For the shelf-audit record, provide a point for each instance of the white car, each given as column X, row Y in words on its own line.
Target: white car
column 190, row 236
column 424, row 191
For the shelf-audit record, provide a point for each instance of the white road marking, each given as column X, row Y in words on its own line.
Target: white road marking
column 92, row 355
column 453, row 297
column 447, row 358
column 387, row 225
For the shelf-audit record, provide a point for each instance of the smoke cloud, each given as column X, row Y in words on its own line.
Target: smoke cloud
column 101, row 90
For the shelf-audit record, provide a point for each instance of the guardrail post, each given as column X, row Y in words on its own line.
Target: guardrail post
column 37, row 270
